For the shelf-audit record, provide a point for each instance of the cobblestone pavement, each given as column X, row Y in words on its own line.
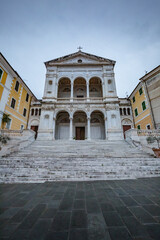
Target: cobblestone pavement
column 100, row 210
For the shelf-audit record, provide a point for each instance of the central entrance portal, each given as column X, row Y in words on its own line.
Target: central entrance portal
column 80, row 133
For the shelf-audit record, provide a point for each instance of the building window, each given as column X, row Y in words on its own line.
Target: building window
column 148, row 127
column 36, row 112
column 136, row 112
column 134, row 99
column 24, row 112
column 32, row 112
column 140, row 91
column 120, row 111
column 39, row 112
column 143, row 105
column 124, row 111
column 1, row 73
column 27, row 97
column 22, row 127
column 138, row 127
column 13, row 103
column 79, row 61
column 50, row 82
column 128, row 111
column 17, row 86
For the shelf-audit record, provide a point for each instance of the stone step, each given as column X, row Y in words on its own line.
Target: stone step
column 77, row 160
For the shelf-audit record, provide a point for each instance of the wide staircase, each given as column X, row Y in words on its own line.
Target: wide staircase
column 79, row 161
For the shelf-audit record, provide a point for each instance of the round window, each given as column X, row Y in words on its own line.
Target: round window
column 109, row 81
column 79, row 60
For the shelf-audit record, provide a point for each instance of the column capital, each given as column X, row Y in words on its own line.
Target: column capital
column 71, row 118
column 88, row 118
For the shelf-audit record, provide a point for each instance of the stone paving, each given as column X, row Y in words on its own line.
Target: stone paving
column 95, row 210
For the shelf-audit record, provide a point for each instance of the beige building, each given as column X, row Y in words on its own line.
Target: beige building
column 151, row 82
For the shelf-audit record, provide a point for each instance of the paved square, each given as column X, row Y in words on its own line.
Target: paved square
column 96, row 210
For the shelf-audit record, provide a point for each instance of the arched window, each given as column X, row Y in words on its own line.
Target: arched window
column 128, row 111
column 39, row 112
column 36, row 112
column 124, row 111
column 32, row 111
column 120, row 111
column 109, row 81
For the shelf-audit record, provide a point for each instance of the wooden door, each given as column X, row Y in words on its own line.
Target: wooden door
column 80, row 133
column 125, row 128
column 35, row 128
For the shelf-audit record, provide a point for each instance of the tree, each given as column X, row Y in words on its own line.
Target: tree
column 5, row 119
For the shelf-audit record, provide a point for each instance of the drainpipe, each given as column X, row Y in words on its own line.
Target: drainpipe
column 151, row 110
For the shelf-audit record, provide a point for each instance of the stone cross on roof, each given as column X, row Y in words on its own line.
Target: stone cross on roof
column 80, row 48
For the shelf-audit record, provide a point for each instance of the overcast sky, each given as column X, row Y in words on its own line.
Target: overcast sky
column 35, row 31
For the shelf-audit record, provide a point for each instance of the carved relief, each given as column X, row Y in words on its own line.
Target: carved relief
column 111, row 107
column 48, row 108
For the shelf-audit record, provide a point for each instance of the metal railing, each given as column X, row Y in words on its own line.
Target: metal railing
column 148, row 132
column 11, row 132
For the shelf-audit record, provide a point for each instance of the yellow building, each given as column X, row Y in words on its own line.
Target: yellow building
column 141, row 107
column 15, row 97
column 151, row 81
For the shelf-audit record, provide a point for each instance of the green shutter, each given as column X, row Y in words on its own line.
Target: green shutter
column 134, row 99
column 140, row 91
column 138, row 127
column 1, row 73
column 143, row 105
column 136, row 112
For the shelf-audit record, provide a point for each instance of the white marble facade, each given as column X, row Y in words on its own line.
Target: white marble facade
column 80, row 99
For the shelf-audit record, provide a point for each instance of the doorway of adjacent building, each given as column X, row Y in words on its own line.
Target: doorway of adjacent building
column 80, row 133
column 35, row 128
column 125, row 128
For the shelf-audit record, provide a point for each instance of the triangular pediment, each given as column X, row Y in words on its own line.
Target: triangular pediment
column 80, row 58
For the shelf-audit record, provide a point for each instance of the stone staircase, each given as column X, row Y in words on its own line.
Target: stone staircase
column 77, row 160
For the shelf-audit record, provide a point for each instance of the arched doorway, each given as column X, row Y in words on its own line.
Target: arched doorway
column 95, row 88
column 79, row 88
column 64, row 88
column 126, row 125
column 80, row 125
column 97, row 125
column 62, row 125
column 34, row 126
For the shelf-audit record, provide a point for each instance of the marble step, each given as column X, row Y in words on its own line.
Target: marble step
column 77, row 160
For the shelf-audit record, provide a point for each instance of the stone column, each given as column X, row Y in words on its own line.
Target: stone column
column 106, row 128
column 71, row 92
column 89, row 129
column 88, row 91
column 71, row 129
column 54, row 129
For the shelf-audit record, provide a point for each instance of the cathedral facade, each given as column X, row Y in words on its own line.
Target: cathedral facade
column 80, row 100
